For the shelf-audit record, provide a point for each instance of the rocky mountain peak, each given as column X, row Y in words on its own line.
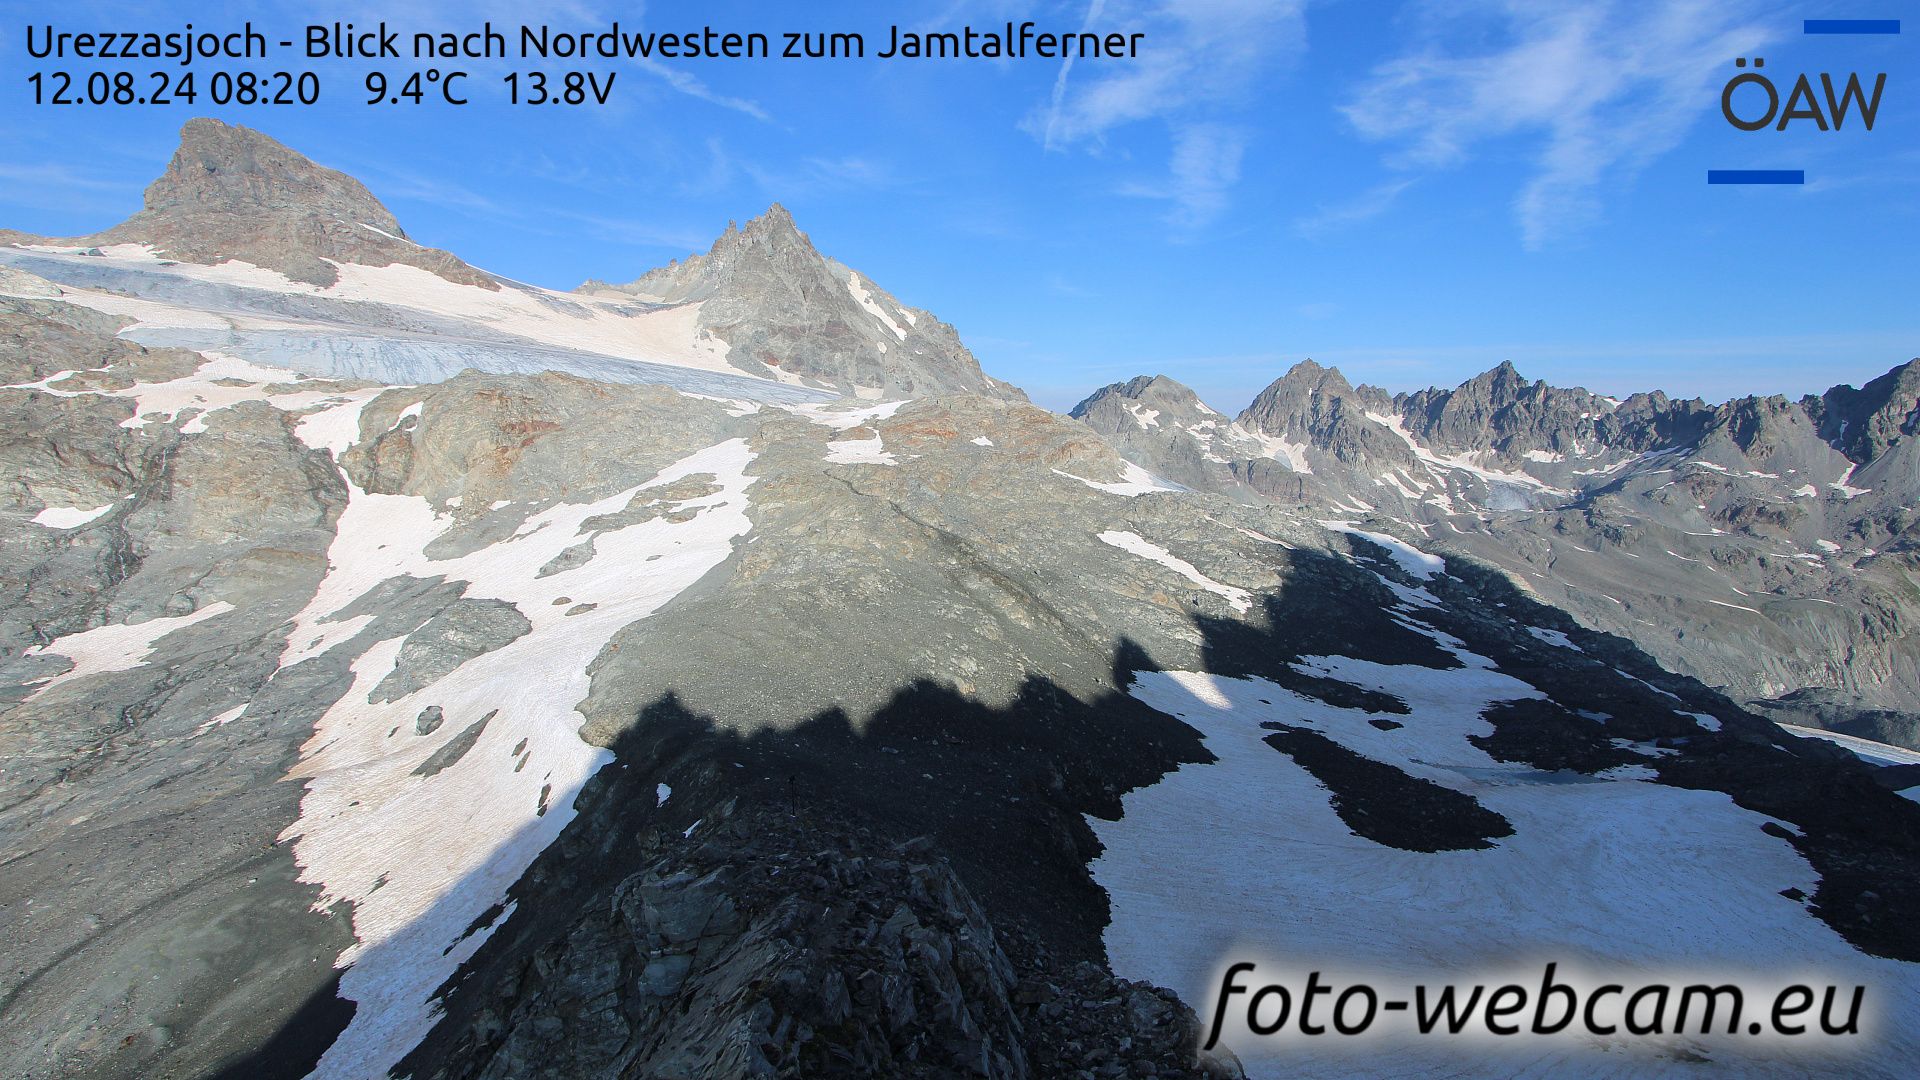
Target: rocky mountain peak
column 1317, row 405
column 1306, row 385
column 231, row 169
column 1309, row 374
column 233, row 193
column 1157, row 389
column 1863, row 423
column 1501, row 383
column 787, row 311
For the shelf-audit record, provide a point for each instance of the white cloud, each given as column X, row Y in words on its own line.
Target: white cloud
column 1200, row 177
column 692, row 87
column 1199, row 60
column 815, row 175
column 1599, row 89
column 1365, row 206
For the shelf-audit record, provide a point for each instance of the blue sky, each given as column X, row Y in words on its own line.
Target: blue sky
column 1411, row 191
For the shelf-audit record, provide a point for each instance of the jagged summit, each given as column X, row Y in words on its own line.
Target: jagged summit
column 770, row 238
column 1865, row 423
column 788, row 312
column 1317, row 406
column 231, row 192
column 1158, row 419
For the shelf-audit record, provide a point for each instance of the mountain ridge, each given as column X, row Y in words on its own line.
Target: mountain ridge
column 789, row 312
column 1547, row 483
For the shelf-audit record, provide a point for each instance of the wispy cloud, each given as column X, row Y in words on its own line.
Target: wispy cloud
column 1365, row 206
column 637, row 233
column 1200, row 59
column 1197, row 55
column 816, row 175
column 689, row 84
column 62, row 188
column 403, row 184
column 1600, row 89
column 1205, row 166
column 57, row 175
column 1058, row 284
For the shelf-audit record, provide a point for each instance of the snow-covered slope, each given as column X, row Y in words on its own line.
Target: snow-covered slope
column 395, row 324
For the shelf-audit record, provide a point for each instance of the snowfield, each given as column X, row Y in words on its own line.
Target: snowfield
column 1245, row 859
column 422, row 857
column 1134, row 544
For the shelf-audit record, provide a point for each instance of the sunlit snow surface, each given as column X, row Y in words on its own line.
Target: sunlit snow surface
column 1133, row 481
column 1245, row 859
column 1135, row 544
column 422, row 857
column 69, row 517
column 114, row 646
column 398, row 324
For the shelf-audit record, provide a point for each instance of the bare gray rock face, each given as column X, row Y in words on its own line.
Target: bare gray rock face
column 130, row 813
column 491, row 448
column 786, row 310
column 1154, row 418
column 464, row 630
column 1866, row 423
column 1318, row 406
column 233, row 193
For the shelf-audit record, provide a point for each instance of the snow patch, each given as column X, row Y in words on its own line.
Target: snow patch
column 1134, row 481
column 859, row 452
column 841, row 417
column 372, row 830
column 1248, row 860
column 1294, row 454
column 863, row 296
column 1411, row 559
column 114, row 647
column 1553, row 637
column 1877, row 752
column 1133, row 543
column 68, row 517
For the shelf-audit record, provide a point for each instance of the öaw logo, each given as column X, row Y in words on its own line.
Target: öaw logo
column 1752, row 100
column 1801, row 104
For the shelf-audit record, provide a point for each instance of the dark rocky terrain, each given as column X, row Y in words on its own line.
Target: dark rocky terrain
column 868, row 721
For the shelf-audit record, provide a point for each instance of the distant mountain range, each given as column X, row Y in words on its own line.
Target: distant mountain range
column 408, row 671
column 1763, row 545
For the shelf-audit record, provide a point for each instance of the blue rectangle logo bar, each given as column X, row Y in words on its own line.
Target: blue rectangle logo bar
column 1756, row 176
column 1852, row 26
